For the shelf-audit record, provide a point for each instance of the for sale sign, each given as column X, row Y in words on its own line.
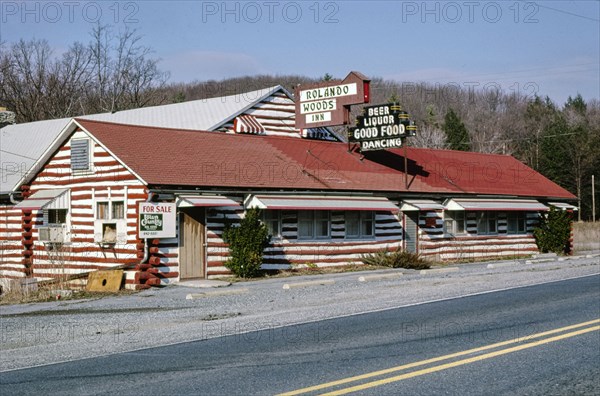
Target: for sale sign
column 157, row 220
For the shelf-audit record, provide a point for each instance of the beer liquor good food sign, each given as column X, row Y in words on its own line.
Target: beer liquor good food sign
column 328, row 103
column 381, row 127
column 156, row 220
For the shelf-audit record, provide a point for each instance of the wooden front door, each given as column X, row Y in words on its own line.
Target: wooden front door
column 191, row 243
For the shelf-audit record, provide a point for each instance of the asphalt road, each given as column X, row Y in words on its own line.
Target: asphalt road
column 535, row 340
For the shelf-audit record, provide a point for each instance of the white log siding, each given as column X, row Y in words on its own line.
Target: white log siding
column 276, row 115
column 107, row 180
column 217, row 250
column 11, row 247
column 286, row 251
column 437, row 245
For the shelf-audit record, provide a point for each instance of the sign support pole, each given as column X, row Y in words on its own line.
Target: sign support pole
column 405, row 168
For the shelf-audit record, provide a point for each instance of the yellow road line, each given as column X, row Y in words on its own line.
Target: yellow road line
column 434, row 360
column 460, row 362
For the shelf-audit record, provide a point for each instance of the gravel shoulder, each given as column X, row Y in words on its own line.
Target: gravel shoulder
column 46, row 333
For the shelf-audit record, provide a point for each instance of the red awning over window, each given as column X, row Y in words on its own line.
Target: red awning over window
column 308, row 202
column 496, row 205
column 205, row 200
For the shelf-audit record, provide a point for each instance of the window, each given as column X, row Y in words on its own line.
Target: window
column 305, row 224
column 487, row 223
column 359, row 224
column 110, row 221
column 454, row 222
column 272, row 219
column 80, row 154
column 516, row 222
column 102, row 211
column 313, row 224
column 109, row 233
column 118, row 210
column 110, row 210
column 57, row 216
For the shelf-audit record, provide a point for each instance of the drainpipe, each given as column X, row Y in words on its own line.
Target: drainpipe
column 146, row 249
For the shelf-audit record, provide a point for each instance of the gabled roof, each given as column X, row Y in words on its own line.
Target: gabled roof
column 21, row 145
column 202, row 114
column 485, row 174
column 170, row 157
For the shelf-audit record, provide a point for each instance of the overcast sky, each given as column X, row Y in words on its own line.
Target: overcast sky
column 549, row 48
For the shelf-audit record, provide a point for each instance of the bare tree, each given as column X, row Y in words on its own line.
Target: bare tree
column 429, row 137
column 99, row 77
column 124, row 76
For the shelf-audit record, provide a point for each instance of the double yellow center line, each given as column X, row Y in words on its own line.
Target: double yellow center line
column 568, row 331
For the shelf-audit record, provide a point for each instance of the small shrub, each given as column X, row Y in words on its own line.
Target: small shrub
column 246, row 245
column 396, row 259
column 553, row 232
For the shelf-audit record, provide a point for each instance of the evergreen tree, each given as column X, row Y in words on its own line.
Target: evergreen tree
column 456, row 132
column 327, row 77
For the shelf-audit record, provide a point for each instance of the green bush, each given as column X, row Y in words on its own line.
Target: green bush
column 246, row 245
column 553, row 232
column 395, row 259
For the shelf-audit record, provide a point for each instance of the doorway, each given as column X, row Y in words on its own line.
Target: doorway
column 192, row 239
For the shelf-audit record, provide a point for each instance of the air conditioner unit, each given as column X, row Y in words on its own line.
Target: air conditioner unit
column 53, row 234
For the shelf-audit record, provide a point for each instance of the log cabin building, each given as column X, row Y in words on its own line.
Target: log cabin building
column 76, row 208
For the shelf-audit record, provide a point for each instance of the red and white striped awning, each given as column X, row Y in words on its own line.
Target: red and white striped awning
column 420, row 204
column 301, row 202
column 496, row 205
column 246, row 123
column 186, row 201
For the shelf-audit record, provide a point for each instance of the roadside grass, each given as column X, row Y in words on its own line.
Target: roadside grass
column 22, row 295
column 476, row 260
column 305, row 269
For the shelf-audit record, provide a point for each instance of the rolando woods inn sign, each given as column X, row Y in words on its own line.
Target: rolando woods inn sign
column 328, row 104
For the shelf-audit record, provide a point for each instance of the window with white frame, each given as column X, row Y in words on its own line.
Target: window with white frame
column 110, row 210
column 110, row 219
column 80, row 154
column 54, row 233
column 454, row 222
column 487, row 223
column 516, row 223
column 117, row 210
column 272, row 219
column 313, row 224
column 359, row 224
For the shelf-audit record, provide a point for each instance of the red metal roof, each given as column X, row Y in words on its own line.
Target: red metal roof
column 163, row 156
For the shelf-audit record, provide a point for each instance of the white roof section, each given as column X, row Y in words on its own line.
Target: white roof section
column 420, row 204
column 307, row 202
column 496, row 205
column 21, row 145
column 204, row 114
